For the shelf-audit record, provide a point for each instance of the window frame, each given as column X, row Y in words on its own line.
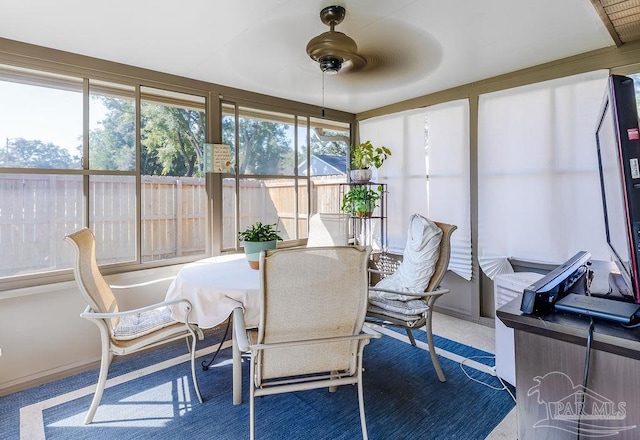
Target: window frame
column 294, row 118
column 136, row 91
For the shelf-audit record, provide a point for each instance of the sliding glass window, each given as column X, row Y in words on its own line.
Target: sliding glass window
column 173, row 193
column 41, row 126
column 277, row 178
column 137, row 181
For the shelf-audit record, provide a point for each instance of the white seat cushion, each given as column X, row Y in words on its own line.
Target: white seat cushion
column 411, row 307
column 134, row 326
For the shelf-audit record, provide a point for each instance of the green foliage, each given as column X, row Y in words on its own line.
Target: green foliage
column 260, row 232
column 113, row 145
column 365, row 155
column 173, row 138
column 24, row 153
column 361, row 200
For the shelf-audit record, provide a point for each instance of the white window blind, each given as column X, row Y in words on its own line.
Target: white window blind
column 538, row 187
column 428, row 172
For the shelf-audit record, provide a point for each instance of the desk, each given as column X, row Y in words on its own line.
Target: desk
column 215, row 286
column 550, row 358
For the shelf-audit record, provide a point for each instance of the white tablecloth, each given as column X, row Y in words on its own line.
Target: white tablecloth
column 215, row 286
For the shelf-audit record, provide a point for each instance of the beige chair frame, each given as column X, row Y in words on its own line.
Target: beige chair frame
column 104, row 312
column 432, row 292
column 272, row 367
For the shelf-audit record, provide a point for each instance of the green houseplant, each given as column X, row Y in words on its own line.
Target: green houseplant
column 364, row 157
column 256, row 238
column 361, row 201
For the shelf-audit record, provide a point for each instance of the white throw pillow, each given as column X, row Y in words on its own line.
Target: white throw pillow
column 418, row 261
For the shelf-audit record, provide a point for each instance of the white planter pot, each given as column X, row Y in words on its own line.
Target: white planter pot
column 361, row 176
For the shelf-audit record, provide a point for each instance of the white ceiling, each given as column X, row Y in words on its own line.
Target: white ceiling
column 259, row 45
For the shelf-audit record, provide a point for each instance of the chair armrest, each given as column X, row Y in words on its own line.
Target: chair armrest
column 436, row 292
column 240, row 330
column 89, row 313
column 372, row 332
column 364, row 335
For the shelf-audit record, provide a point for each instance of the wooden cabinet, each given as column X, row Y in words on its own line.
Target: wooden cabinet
column 550, row 370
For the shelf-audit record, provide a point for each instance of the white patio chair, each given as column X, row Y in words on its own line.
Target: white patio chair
column 311, row 333
column 124, row 332
column 410, row 287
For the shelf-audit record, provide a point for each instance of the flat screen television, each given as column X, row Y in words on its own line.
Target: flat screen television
column 618, row 147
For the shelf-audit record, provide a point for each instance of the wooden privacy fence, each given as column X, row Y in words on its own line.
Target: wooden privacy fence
column 36, row 211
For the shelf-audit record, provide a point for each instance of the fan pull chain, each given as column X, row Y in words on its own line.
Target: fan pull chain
column 323, row 94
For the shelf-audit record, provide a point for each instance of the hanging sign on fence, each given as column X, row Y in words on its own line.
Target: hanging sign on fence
column 217, row 158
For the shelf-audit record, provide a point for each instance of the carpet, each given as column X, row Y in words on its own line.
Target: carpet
column 150, row 396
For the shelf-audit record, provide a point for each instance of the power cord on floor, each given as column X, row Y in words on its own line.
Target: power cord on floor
column 586, row 370
column 504, row 386
column 205, row 364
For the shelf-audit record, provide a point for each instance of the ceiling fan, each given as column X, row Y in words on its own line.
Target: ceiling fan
column 333, row 49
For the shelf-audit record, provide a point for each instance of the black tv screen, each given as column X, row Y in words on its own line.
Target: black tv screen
column 618, row 146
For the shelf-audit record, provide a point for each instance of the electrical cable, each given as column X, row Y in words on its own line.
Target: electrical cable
column 586, row 372
column 504, row 386
column 205, row 364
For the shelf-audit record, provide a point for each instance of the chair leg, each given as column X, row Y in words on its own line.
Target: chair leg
column 363, row 421
column 192, row 349
column 432, row 347
column 237, row 371
column 252, row 400
column 333, row 389
column 410, row 335
column 105, row 361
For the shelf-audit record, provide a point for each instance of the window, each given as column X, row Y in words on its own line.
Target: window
column 173, row 195
column 140, row 189
column 278, row 178
column 538, row 186
column 428, row 172
column 41, row 133
column 112, row 171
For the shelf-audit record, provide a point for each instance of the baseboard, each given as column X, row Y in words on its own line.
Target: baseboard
column 23, row 383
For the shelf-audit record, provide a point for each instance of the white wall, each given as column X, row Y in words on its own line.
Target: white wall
column 42, row 333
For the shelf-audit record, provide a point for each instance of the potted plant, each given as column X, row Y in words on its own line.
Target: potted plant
column 256, row 238
column 361, row 201
column 363, row 158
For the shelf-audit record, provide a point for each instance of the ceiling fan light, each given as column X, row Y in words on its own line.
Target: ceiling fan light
column 330, row 65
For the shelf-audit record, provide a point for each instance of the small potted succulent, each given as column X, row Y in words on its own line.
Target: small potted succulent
column 363, row 158
column 361, row 201
column 256, row 238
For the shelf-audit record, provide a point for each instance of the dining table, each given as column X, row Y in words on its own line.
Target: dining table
column 215, row 287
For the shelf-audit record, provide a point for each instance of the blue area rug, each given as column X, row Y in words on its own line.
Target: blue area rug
column 403, row 399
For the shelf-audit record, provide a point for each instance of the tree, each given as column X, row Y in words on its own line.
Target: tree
column 265, row 147
column 112, row 146
column 175, row 137
column 172, row 139
column 24, row 153
column 329, row 142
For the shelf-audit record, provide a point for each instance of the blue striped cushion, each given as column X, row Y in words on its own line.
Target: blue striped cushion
column 133, row 326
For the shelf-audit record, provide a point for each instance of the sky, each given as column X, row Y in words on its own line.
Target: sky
column 45, row 114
